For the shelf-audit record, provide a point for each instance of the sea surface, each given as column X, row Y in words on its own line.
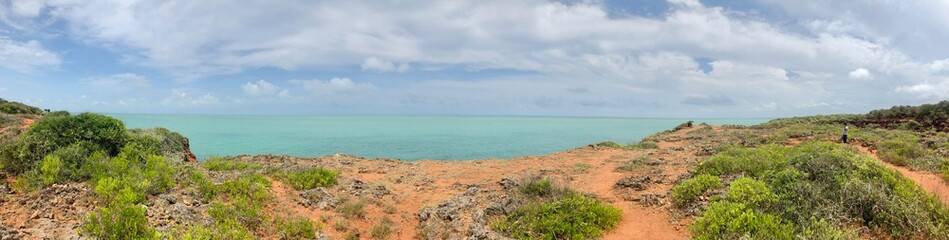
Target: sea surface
column 402, row 137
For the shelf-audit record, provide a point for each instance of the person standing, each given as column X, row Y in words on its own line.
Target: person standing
column 844, row 137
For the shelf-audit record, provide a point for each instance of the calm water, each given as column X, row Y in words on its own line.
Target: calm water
column 403, row 137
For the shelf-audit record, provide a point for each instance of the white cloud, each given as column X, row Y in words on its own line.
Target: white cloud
column 937, row 91
column 379, row 65
column 263, row 88
column 189, row 97
column 860, row 74
column 123, row 82
column 619, row 61
column 25, row 56
column 333, row 86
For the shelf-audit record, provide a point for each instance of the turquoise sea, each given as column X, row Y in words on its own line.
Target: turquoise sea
column 402, row 137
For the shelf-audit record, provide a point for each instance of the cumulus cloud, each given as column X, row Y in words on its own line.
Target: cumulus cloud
column 379, row 65
column 122, row 82
column 938, row 90
column 606, row 61
column 860, row 74
column 264, row 88
column 25, row 56
column 190, row 97
column 333, row 86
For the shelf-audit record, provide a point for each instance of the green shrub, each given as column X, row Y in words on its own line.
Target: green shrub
column 744, row 161
column 296, row 228
column 537, row 187
column 750, row 192
column 160, row 141
column 815, row 187
column 10, row 107
column 691, row 189
column 49, row 134
column 904, row 151
column 644, row 145
column 253, row 186
column 228, row 164
column 49, row 169
column 310, row 178
column 73, row 159
column 240, row 209
column 158, row 172
column 352, row 209
column 383, row 229
column 226, row 229
column 118, row 221
column 727, row 220
column 573, row 216
column 632, row 165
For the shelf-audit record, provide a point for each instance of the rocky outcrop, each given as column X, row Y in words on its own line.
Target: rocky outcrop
column 189, row 156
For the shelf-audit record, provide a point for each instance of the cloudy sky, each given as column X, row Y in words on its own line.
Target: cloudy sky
column 633, row 58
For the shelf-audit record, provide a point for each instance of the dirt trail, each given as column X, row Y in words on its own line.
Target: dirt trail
column 930, row 182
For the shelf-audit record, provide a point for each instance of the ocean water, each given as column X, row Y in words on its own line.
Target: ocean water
column 402, row 137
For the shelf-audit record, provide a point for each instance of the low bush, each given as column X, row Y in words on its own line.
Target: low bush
column 728, row 220
column 901, row 151
column 352, row 209
column 50, row 168
column 226, row 229
column 309, row 178
column 573, row 216
column 229, row 164
column 535, row 186
column 118, row 221
column 297, row 228
column 815, row 189
column 160, row 141
column 691, row 189
column 744, row 161
column 383, row 229
column 10, row 107
column 751, row 192
column 632, row 165
column 52, row 133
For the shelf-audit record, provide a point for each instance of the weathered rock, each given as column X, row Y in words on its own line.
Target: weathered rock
column 637, row 183
column 9, row 233
column 322, row 236
column 503, row 207
column 318, row 197
column 508, row 183
column 652, row 199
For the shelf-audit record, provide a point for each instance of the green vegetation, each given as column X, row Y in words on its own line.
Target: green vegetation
column 10, row 107
column 162, row 141
column 633, row 165
column 815, row 189
column 538, row 187
column 297, row 228
column 352, row 209
column 553, row 212
column 123, row 181
column 91, row 131
column 229, row 164
column 572, row 216
column 640, row 145
column 383, row 229
column 309, row 178
column 691, row 189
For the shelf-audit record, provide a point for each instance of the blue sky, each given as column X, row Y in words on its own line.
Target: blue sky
column 634, row 58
